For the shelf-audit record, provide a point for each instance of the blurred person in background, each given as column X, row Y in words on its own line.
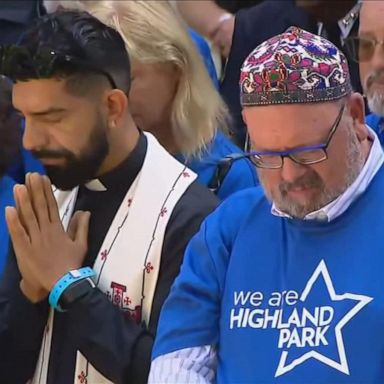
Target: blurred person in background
column 9, row 151
column 214, row 19
column 366, row 48
column 257, row 24
column 15, row 17
column 172, row 95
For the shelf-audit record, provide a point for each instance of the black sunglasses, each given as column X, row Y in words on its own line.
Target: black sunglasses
column 17, row 62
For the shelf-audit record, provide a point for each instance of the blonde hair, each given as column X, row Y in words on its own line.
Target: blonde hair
column 154, row 33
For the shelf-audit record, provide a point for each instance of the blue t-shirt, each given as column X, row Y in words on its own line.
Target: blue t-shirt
column 241, row 175
column 377, row 124
column 205, row 53
column 6, row 199
column 284, row 301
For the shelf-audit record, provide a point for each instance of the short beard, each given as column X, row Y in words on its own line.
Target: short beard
column 354, row 162
column 375, row 98
column 376, row 103
column 78, row 170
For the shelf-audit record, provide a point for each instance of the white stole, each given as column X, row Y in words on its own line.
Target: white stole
column 128, row 262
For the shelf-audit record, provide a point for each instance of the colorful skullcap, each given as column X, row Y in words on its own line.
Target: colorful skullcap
column 294, row 67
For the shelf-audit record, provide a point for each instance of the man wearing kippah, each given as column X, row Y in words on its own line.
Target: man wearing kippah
column 284, row 284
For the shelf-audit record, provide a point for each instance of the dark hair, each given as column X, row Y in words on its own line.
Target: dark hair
column 10, row 128
column 84, row 39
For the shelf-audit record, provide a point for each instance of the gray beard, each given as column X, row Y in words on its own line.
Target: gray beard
column 376, row 103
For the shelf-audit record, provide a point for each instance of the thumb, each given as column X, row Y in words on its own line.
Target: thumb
column 81, row 234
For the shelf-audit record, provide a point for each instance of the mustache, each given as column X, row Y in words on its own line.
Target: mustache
column 377, row 75
column 305, row 181
column 51, row 154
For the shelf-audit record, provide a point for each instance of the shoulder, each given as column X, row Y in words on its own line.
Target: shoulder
column 238, row 209
column 196, row 203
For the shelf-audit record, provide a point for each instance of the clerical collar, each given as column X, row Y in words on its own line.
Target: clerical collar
column 122, row 177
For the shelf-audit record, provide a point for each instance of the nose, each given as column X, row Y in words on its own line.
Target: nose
column 291, row 171
column 34, row 138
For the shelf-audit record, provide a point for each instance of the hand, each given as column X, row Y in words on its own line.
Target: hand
column 222, row 36
column 44, row 251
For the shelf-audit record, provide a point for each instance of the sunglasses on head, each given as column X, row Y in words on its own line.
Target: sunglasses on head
column 17, row 62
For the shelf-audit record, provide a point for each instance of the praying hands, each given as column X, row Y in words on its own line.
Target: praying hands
column 44, row 250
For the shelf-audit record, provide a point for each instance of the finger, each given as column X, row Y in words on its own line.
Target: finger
column 225, row 51
column 17, row 205
column 26, row 212
column 72, row 226
column 19, row 236
column 53, row 209
column 35, row 186
column 82, row 228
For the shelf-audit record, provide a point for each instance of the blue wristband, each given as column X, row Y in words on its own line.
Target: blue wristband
column 68, row 279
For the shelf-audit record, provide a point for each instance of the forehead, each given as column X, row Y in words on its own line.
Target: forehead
column 40, row 94
column 279, row 127
column 372, row 17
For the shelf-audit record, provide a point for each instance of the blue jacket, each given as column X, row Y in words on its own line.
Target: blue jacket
column 6, row 199
column 241, row 175
column 205, row 53
column 377, row 124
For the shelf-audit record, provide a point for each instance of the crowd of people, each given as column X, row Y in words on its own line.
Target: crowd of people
column 190, row 191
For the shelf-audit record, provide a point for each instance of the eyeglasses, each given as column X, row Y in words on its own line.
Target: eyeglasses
column 17, row 62
column 303, row 155
column 361, row 48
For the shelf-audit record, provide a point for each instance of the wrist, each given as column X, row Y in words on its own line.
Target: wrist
column 75, row 292
column 72, row 278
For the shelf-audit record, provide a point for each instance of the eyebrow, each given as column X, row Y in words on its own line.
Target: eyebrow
column 301, row 145
column 49, row 111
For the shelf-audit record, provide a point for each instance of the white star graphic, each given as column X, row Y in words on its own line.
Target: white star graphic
column 341, row 365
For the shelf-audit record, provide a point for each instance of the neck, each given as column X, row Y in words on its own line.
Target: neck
column 165, row 136
column 122, row 144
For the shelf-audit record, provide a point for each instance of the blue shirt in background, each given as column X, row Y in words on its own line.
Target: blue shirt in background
column 205, row 53
column 6, row 199
column 241, row 175
column 26, row 163
column 377, row 124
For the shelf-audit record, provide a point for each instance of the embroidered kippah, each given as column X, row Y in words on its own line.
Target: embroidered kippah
column 294, row 67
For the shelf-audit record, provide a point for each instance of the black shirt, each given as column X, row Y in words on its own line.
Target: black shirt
column 118, row 348
column 235, row 5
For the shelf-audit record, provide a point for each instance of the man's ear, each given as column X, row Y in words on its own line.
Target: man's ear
column 244, row 118
column 117, row 103
column 357, row 113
